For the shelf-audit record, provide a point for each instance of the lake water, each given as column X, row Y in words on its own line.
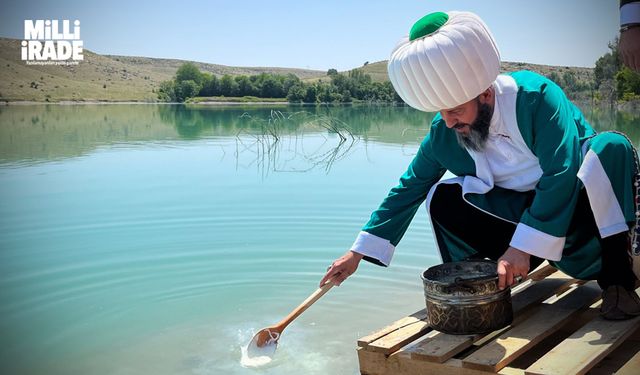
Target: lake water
column 156, row 239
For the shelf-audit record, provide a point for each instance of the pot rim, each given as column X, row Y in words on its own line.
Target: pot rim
column 480, row 278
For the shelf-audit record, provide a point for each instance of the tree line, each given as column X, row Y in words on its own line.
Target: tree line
column 355, row 85
column 611, row 82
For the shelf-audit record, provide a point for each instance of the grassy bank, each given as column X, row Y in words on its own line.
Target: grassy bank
column 234, row 99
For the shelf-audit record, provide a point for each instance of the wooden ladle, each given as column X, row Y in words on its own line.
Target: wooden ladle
column 270, row 335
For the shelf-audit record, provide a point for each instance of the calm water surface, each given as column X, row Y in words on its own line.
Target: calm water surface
column 143, row 239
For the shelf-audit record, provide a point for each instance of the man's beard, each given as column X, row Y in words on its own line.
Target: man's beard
column 476, row 139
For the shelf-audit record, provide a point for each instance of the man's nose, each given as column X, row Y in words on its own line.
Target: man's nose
column 450, row 121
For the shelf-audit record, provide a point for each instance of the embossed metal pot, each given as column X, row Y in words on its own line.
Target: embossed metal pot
column 463, row 297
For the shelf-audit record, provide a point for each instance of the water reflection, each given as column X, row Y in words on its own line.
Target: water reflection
column 36, row 133
column 279, row 142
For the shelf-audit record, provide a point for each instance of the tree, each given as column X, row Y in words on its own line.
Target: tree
column 332, row 72
column 607, row 65
column 186, row 89
column 188, row 71
column 289, row 81
column 272, row 88
column 296, row 93
column 627, row 84
column 327, row 93
column 228, row 86
column 245, row 86
column 166, row 92
column 210, row 85
column 311, row 96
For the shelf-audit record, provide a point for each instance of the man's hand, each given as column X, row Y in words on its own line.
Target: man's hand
column 511, row 264
column 342, row 268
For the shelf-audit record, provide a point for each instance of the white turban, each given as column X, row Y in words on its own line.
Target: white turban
column 447, row 60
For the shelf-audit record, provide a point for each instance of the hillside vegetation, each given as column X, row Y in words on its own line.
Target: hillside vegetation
column 130, row 78
column 102, row 77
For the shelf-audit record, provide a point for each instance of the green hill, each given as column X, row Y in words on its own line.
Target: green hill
column 101, row 77
column 378, row 70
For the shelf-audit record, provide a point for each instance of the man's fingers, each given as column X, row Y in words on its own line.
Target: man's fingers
column 336, row 273
column 330, row 273
column 502, row 275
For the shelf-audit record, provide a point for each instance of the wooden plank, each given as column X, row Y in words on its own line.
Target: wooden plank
column 400, row 363
column 511, row 371
column 441, row 347
column 585, row 348
column 632, row 367
column 548, row 318
column 542, row 271
column 395, row 340
column 399, row 324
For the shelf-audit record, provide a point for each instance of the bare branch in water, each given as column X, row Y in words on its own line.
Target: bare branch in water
column 272, row 155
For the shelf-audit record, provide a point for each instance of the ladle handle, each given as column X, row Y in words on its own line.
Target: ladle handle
column 305, row 304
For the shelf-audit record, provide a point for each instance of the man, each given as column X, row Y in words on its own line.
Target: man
column 534, row 181
column 630, row 34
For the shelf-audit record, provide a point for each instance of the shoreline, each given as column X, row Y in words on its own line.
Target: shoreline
column 94, row 102
column 207, row 103
column 626, row 106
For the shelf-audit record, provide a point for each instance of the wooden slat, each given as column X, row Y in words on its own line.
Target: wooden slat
column 548, row 318
column 542, row 271
column 632, row 367
column 511, row 371
column 441, row 347
column 400, row 363
column 586, row 347
column 416, row 317
column 395, row 340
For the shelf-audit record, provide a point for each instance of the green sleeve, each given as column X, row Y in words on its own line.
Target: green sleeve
column 556, row 142
column 391, row 220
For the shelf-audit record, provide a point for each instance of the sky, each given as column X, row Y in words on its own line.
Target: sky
column 319, row 34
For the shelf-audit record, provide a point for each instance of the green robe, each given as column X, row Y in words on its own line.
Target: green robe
column 538, row 141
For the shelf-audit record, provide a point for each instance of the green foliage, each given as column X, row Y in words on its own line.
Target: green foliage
column 613, row 79
column 189, row 72
column 228, row 86
column 311, row 96
column 245, row 86
column 189, row 82
column 297, row 94
column 627, row 84
column 186, row 89
column 210, row 85
column 555, row 77
column 608, row 65
column 166, row 92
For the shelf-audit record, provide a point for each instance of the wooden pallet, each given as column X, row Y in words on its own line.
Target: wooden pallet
column 556, row 330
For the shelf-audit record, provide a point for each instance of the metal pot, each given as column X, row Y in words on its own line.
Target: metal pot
column 463, row 298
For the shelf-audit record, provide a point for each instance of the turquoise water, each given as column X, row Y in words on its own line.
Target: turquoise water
column 143, row 239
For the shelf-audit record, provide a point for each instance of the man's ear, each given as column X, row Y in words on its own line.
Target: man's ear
column 486, row 97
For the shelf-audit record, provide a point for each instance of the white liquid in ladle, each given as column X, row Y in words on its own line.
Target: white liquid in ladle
column 254, row 356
